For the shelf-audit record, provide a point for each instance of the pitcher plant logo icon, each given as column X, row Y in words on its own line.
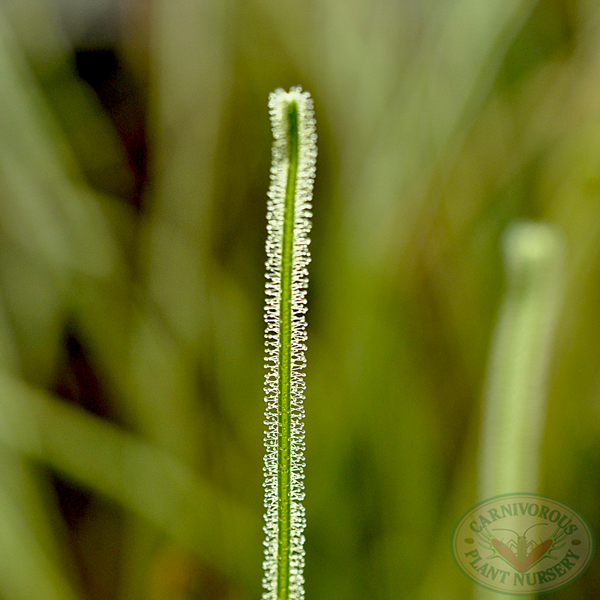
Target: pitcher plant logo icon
column 523, row 544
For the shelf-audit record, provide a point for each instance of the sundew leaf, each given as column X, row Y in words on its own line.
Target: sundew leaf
column 288, row 225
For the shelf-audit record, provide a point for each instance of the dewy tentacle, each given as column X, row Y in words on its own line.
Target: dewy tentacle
column 288, row 225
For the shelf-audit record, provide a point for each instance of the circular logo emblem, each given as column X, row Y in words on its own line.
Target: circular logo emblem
column 522, row 544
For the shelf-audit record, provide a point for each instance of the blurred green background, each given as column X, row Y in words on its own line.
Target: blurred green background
column 134, row 164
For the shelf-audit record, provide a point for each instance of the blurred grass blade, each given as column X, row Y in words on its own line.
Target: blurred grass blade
column 170, row 347
column 444, row 85
column 47, row 207
column 141, row 477
column 186, row 113
column 26, row 120
column 31, row 564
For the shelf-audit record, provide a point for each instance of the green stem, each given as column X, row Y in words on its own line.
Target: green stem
column 285, row 365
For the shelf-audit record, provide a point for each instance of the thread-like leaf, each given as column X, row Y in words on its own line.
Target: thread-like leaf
column 515, row 406
column 288, row 225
